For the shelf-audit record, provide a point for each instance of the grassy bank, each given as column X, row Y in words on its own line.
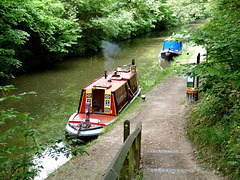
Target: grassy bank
column 214, row 127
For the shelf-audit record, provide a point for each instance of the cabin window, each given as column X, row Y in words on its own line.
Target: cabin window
column 89, row 100
column 107, row 110
column 107, row 96
column 107, row 103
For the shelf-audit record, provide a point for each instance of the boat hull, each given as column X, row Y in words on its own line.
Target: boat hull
column 90, row 132
column 169, row 54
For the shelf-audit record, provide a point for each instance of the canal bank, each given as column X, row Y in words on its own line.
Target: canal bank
column 166, row 151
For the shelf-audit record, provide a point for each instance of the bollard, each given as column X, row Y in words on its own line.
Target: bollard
column 126, row 130
column 198, row 62
column 191, row 95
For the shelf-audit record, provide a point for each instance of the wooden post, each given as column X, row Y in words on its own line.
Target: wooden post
column 125, row 169
column 131, row 163
column 198, row 62
column 126, row 130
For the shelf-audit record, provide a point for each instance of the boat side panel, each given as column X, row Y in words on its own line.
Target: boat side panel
column 133, row 83
column 83, row 100
column 113, row 105
column 121, row 96
column 80, row 101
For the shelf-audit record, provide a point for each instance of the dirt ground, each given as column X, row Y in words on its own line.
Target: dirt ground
column 166, row 152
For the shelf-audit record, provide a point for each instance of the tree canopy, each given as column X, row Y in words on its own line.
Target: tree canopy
column 35, row 32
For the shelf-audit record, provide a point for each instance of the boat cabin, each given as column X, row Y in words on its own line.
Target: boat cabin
column 110, row 93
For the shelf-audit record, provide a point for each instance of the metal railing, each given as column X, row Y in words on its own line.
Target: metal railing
column 127, row 160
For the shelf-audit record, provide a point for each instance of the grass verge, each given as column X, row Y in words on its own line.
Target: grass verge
column 215, row 130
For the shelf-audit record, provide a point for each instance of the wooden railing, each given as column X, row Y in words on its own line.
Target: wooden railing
column 127, row 160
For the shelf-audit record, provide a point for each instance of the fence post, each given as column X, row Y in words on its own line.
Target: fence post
column 198, row 62
column 138, row 151
column 127, row 160
column 125, row 170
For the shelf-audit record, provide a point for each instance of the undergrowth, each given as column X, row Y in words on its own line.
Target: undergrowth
column 214, row 126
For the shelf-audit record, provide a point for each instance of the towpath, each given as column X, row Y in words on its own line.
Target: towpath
column 166, row 152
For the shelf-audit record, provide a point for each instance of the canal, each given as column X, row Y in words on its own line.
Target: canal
column 59, row 87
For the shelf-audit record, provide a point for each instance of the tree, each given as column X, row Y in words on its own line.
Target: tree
column 30, row 31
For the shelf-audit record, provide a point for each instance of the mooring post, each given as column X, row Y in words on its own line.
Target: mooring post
column 198, row 62
column 126, row 130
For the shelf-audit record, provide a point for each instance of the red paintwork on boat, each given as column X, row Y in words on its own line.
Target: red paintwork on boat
column 104, row 118
column 114, row 113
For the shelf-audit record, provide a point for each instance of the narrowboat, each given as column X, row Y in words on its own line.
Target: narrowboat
column 102, row 100
column 170, row 49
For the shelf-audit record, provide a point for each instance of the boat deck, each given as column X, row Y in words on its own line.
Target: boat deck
column 93, row 118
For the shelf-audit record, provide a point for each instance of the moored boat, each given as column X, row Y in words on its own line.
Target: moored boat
column 170, row 49
column 102, row 100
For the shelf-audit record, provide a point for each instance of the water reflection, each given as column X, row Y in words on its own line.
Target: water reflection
column 49, row 163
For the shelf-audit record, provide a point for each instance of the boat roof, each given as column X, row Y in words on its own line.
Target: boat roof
column 114, row 80
column 174, row 45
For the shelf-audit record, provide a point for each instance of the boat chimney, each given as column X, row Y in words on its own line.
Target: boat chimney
column 105, row 74
column 133, row 67
column 87, row 111
column 133, row 61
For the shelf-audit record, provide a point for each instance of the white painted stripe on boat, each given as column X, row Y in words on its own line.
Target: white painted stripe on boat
column 162, row 151
column 160, row 170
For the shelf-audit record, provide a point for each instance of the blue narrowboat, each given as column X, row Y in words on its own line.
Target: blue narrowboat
column 171, row 49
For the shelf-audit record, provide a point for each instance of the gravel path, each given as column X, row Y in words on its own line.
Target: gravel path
column 166, row 151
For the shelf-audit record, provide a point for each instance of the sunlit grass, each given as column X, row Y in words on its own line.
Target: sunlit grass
column 155, row 74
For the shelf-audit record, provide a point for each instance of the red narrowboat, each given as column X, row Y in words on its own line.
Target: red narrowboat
column 102, row 100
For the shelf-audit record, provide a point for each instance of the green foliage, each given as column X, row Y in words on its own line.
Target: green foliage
column 16, row 158
column 35, row 32
column 214, row 126
column 188, row 10
column 138, row 175
column 214, row 123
